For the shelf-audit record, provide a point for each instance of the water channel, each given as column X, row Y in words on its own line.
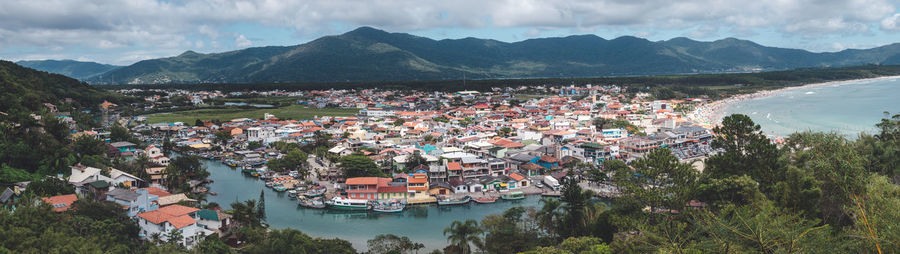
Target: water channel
column 423, row 223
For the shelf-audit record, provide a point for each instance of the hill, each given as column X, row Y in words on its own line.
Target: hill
column 368, row 54
column 24, row 90
column 71, row 68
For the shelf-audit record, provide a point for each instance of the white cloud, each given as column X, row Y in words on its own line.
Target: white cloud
column 242, row 41
column 891, row 23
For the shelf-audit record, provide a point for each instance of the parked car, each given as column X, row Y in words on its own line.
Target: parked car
column 539, row 185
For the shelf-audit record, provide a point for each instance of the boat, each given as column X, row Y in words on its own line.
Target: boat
column 292, row 194
column 454, row 201
column 485, row 200
column 310, row 202
column 279, row 188
column 341, row 203
column 315, row 191
column 516, row 195
column 389, row 206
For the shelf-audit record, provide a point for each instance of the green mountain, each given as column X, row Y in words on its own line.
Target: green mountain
column 24, row 90
column 368, row 54
column 71, row 68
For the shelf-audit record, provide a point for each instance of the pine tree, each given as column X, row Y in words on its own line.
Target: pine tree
column 261, row 209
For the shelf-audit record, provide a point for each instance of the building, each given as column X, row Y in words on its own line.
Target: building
column 61, row 203
column 133, row 202
column 175, row 217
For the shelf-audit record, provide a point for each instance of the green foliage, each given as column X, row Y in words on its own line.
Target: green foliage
column 253, row 145
column 658, row 180
column 463, row 235
column 35, row 228
column 359, row 166
column 86, row 145
column 389, row 243
column 746, row 151
column 183, row 169
column 293, row 241
column 14, row 175
column 247, row 213
column 50, row 186
column 875, row 215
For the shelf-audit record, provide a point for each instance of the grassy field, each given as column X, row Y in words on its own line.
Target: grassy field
column 296, row 112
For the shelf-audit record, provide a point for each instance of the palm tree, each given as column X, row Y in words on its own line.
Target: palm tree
column 246, row 213
column 462, row 233
column 549, row 214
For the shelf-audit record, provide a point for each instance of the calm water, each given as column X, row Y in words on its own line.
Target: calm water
column 423, row 224
column 847, row 108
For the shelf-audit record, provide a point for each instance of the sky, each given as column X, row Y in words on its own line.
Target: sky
column 123, row 32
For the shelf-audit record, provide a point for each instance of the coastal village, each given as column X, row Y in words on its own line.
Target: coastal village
column 401, row 148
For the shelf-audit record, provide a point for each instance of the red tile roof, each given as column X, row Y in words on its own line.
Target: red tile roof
column 177, row 215
column 362, row 181
column 158, row 192
column 61, row 203
column 454, row 166
column 517, row 176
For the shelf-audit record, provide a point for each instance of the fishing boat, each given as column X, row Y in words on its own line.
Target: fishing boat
column 279, row 188
column 454, row 201
column 516, row 195
column 389, row 206
column 292, row 194
column 341, row 203
column 315, row 191
column 316, row 203
column 485, row 200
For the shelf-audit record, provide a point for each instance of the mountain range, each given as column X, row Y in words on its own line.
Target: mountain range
column 368, row 54
column 74, row 69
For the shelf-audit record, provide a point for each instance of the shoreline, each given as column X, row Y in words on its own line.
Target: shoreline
column 709, row 115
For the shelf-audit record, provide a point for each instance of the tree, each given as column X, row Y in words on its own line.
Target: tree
column 118, row 133
column 221, row 137
column 746, row 151
column 247, row 213
column 658, row 180
column 294, row 241
column 213, row 244
column 389, row 243
column 575, row 201
column 549, row 216
column 86, row 145
column 174, row 236
column 261, row 208
column 461, row 234
column 359, row 166
column 198, row 123
column 253, row 145
column 875, row 216
column 50, row 186
column 414, row 160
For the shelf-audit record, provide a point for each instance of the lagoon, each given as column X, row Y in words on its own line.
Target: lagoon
column 847, row 107
column 422, row 223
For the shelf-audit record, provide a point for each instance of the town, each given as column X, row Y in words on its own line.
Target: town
column 399, row 148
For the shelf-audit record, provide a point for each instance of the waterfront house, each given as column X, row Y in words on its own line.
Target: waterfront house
column 418, row 188
column 364, row 187
column 174, row 217
column 458, row 186
column 520, row 181
column 440, row 188
column 61, row 203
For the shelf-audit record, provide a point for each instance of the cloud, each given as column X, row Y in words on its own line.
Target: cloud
column 242, row 41
column 891, row 23
column 155, row 26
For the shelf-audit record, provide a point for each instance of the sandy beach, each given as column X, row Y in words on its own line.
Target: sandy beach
column 710, row 114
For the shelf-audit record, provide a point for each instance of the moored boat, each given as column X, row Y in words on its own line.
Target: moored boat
column 389, row 206
column 315, row 191
column 515, row 195
column 316, row 203
column 341, row 203
column 485, row 200
column 454, row 201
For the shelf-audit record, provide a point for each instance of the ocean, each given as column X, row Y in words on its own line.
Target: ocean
column 848, row 108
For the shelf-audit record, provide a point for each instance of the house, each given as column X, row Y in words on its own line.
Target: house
column 364, row 187
column 340, row 150
column 440, row 188
column 123, row 148
column 157, row 175
column 8, row 198
column 213, row 220
column 156, row 155
column 61, row 203
column 81, row 176
column 458, row 186
column 521, row 181
column 128, row 180
column 548, row 162
column 98, row 189
column 532, row 169
column 133, row 202
column 175, row 217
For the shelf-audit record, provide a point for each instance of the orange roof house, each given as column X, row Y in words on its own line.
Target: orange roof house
column 61, row 203
column 177, row 215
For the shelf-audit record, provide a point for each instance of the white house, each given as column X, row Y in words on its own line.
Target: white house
column 173, row 217
column 156, row 155
column 119, row 177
